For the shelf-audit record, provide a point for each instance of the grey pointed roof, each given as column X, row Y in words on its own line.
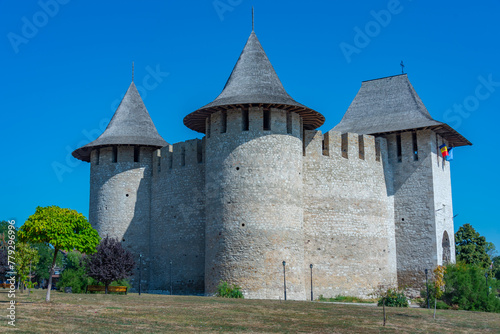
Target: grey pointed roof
column 391, row 104
column 130, row 125
column 253, row 82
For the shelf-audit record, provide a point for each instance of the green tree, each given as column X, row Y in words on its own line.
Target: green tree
column 465, row 286
column 63, row 229
column 26, row 258
column 471, row 247
column 42, row 269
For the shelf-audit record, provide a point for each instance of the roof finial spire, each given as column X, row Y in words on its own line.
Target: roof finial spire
column 402, row 67
column 253, row 20
column 132, row 71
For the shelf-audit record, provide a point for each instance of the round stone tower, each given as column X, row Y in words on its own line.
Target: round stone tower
column 254, row 189
column 120, row 175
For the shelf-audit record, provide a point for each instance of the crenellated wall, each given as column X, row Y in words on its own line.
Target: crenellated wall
column 258, row 190
column 178, row 219
column 348, row 214
column 120, row 188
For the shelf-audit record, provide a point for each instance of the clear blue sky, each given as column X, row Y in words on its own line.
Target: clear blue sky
column 65, row 68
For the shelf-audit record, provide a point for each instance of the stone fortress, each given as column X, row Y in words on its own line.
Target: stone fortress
column 367, row 204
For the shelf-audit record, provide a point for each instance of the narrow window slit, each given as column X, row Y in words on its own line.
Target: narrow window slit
column 245, row 120
column 415, row 146
column 326, row 144
column 115, row 154
column 208, row 126
column 399, row 150
column 361, row 144
column 223, row 127
column 267, row 120
column 344, row 145
column 289, row 122
column 377, row 150
column 137, row 151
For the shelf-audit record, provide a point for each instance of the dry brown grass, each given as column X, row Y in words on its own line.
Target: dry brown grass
column 98, row 313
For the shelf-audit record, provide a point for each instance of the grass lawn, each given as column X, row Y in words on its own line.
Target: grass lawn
column 99, row 313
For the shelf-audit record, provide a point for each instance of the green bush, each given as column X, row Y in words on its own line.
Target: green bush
column 466, row 287
column 393, row 298
column 74, row 274
column 228, row 291
column 74, row 278
column 442, row 305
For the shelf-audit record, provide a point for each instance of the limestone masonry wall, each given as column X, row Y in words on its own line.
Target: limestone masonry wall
column 178, row 218
column 348, row 214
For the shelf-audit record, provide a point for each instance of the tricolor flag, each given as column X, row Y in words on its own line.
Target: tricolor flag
column 450, row 154
column 444, row 150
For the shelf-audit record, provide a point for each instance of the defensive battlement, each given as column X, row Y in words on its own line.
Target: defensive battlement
column 253, row 120
column 104, row 156
column 179, row 155
column 343, row 145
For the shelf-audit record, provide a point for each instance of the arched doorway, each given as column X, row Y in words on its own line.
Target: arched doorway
column 446, row 248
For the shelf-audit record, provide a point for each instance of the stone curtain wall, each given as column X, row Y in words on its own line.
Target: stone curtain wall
column 120, row 199
column 178, row 219
column 254, row 213
column 348, row 215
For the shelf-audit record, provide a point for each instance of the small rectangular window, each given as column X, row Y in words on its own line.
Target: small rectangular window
column 289, row 122
column 223, row 127
column 267, row 120
column 399, row 150
column 97, row 156
column 415, row 146
column 209, row 126
column 115, row 154
column 183, row 156
column 137, row 151
column 245, row 120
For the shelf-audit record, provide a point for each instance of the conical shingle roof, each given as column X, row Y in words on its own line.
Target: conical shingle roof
column 391, row 104
column 253, row 82
column 130, row 125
